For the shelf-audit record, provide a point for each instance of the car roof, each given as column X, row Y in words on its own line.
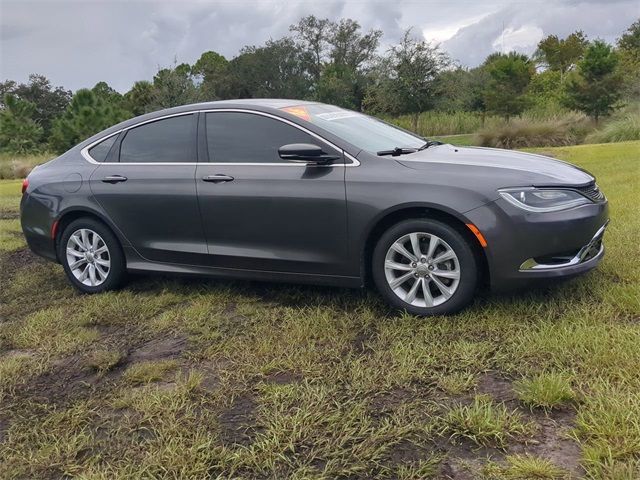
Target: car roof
column 256, row 102
column 262, row 104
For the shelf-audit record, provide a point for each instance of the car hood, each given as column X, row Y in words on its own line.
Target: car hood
column 504, row 167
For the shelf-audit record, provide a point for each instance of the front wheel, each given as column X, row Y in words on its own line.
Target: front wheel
column 425, row 267
column 91, row 256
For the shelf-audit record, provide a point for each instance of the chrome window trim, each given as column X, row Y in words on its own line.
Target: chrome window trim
column 354, row 161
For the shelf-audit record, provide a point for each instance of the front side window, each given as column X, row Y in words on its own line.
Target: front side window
column 170, row 140
column 362, row 131
column 100, row 151
column 236, row 137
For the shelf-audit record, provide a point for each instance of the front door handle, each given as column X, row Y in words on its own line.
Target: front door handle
column 219, row 178
column 114, row 179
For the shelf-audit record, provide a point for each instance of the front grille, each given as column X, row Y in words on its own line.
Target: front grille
column 592, row 192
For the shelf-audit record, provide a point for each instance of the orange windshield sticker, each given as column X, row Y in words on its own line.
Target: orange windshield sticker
column 300, row 112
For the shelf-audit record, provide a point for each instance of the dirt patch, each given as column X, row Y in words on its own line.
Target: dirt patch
column 16, row 352
column 552, row 442
column 361, row 344
column 465, row 460
column 4, row 426
column 18, row 259
column 68, row 380
column 238, row 421
column 406, row 451
column 282, row 378
column 498, row 387
column 159, row 348
column 386, row 402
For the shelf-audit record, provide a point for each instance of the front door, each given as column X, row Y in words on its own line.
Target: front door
column 146, row 185
column 260, row 212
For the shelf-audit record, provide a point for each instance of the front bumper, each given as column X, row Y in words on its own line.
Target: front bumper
column 526, row 246
column 591, row 251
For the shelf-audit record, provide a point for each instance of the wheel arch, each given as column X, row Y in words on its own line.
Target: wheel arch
column 68, row 216
column 407, row 212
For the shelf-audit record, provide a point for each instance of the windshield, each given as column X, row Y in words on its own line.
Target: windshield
column 360, row 130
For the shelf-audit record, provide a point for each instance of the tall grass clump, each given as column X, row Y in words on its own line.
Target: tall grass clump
column 18, row 166
column 621, row 129
column 433, row 122
column 523, row 132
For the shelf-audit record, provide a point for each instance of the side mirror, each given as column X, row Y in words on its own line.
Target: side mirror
column 306, row 152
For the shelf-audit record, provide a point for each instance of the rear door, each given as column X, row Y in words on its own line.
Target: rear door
column 146, row 184
column 260, row 212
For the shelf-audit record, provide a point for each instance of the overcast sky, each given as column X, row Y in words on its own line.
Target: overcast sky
column 77, row 43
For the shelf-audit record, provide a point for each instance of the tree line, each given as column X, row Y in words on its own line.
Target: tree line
column 337, row 62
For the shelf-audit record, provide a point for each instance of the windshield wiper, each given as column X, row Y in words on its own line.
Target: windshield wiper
column 397, row 151
column 429, row 143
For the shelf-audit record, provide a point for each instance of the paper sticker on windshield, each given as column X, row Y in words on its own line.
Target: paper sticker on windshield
column 337, row 115
column 300, row 112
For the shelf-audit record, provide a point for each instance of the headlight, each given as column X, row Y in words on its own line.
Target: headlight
column 543, row 199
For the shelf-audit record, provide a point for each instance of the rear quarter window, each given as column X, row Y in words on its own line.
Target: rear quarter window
column 100, row 151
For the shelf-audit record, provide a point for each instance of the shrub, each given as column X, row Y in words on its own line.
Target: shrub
column 622, row 129
column 522, row 133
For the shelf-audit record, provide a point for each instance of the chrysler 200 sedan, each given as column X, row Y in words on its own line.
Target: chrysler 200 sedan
column 306, row 192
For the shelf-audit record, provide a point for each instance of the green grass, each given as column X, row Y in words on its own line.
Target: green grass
column 546, row 390
column 485, row 423
column 11, row 237
column 526, row 467
column 146, row 372
column 176, row 378
column 9, row 190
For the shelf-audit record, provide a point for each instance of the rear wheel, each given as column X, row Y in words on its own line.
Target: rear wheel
column 91, row 256
column 425, row 267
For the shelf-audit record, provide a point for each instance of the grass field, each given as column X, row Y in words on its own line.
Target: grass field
column 174, row 378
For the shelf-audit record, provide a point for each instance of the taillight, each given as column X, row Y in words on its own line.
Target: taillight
column 25, row 185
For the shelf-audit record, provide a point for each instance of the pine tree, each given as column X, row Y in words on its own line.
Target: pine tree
column 508, row 79
column 19, row 133
column 86, row 115
column 595, row 87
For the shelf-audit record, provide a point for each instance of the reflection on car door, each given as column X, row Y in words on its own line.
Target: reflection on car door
column 147, row 187
column 260, row 212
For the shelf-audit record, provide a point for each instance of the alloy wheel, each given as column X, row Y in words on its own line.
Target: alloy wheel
column 88, row 257
column 422, row 269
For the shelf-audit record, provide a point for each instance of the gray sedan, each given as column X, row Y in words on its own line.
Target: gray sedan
column 305, row 192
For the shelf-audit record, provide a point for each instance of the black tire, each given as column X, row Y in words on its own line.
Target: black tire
column 117, row 272
column 468, row 267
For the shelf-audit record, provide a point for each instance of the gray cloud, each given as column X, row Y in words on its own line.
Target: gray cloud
column 606, row 20
column 78, row 43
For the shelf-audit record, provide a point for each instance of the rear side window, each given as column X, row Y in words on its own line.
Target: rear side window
column 236, row 137
column 171, row 140
column 100, row 151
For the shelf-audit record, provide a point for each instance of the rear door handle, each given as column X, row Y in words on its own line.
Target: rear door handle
column 219, row 178
column 114, row 179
